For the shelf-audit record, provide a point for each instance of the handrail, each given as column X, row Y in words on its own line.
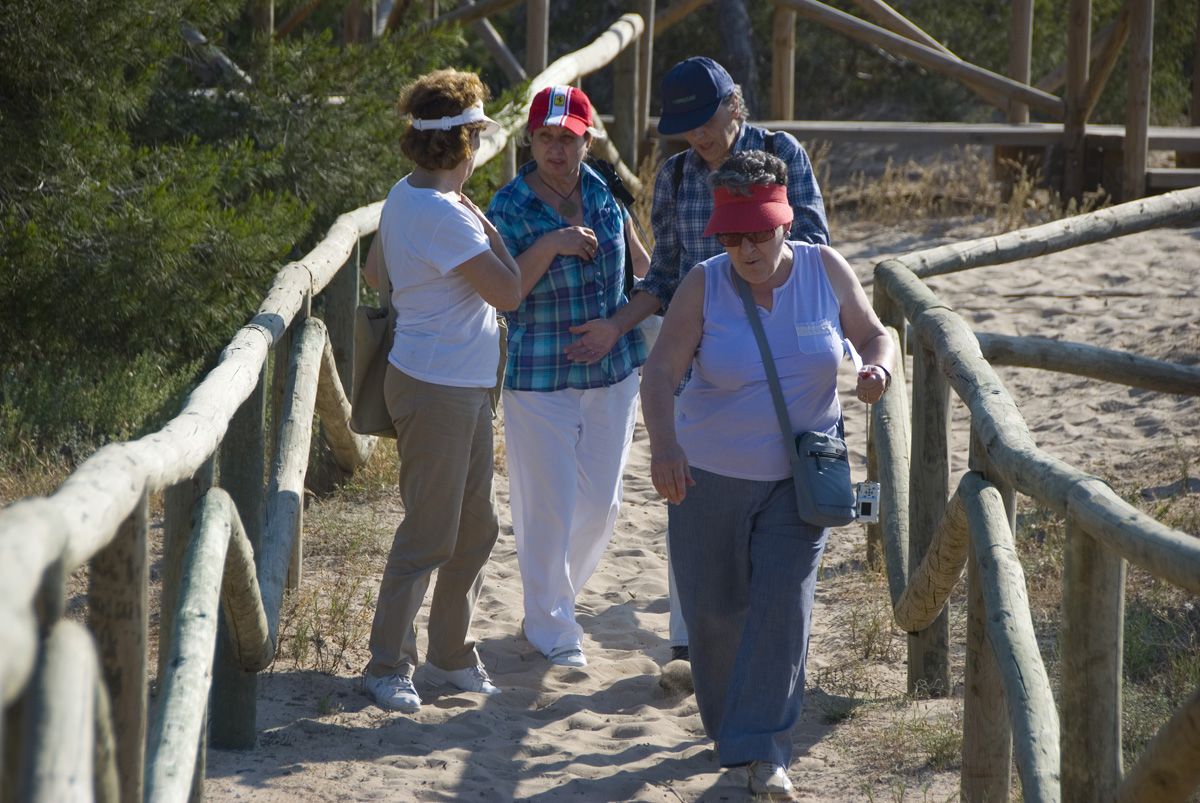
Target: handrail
column 1004, row 451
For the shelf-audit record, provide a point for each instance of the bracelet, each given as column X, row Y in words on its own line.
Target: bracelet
column 887, row 383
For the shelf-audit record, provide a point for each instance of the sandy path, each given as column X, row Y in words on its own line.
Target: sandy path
column 610, row 731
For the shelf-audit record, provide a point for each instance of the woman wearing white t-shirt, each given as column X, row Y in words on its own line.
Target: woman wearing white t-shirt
column 449, row 271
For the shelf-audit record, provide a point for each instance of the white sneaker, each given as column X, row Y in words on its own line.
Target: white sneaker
column 395, row 692
column 769, row 779
column 567, row 656
column 473, row 678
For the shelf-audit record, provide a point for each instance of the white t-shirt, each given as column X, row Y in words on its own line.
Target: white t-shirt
column 446, row 333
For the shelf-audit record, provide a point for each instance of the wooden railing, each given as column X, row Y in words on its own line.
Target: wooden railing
column 926, row 539
column 78, row 724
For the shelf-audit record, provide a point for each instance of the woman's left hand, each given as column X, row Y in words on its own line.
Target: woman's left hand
column 597, row 338
column 872, row 382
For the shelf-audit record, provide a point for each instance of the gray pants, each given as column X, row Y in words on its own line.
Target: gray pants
column 746, row 567
column 444, row 439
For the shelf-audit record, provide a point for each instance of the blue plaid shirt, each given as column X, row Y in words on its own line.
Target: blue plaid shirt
column 679, row 220
column 572, row 291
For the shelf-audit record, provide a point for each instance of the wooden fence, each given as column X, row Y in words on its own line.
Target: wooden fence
column 77, row 720
column 927, row 540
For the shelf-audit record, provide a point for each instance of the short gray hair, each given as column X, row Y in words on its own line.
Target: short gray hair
column 746, row 169
column 736, row 102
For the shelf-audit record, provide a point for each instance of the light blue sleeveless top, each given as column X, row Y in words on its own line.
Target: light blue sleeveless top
column 725, row 418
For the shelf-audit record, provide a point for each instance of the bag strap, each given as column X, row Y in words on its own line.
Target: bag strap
column 785, row 423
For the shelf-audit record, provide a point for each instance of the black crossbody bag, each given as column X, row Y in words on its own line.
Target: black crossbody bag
column 820, row 462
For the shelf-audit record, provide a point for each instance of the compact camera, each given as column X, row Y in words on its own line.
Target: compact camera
column 866, row 502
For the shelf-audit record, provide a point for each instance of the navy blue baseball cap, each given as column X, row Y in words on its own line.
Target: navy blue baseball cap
column 691, row 92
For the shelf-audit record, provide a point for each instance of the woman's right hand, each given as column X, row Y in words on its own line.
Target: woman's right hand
column 670, row 473
column 576, row 241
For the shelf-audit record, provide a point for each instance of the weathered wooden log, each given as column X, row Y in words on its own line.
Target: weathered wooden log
column 1050, row 238
column 119, row 615
column 1083, row 360
column 602, row 146
column 932, row 58
column 461, row 15
column 625, row 133
column 60, row 725
column 1010, row 632
column 1165, row 552
column 889, row 452
column 929, row 477
column 930, row 585
column 645, row 48
column 179, row 502
column 1079, row 26
column 349, row 449
column 1137, row 107
column 1104, row 58
column 887, row 17
column 537, row 35
column 107, row 782
column 1091, row 639
column 232, row 721
column 1020, row 53
column 32, row 538
column 1101, row 41
column 987, row 734
column 783, row 65
column 1169, row 768
column 183, row 693
column 285, row 491
column 674, row 14
column 566, row 70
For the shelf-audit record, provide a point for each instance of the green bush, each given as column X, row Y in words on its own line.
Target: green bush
column 146, row 200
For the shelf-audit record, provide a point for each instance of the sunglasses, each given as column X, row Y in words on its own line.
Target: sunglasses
column 732, row 239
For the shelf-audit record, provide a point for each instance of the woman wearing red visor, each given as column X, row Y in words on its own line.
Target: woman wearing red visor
column 746, row 564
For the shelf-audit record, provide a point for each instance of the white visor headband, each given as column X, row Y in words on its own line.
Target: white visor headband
column 471, row 114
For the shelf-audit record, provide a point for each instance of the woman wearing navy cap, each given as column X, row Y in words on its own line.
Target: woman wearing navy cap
column 568, row 423
column 746, row 564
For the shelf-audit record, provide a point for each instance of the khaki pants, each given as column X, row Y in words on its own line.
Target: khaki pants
column 444, row 439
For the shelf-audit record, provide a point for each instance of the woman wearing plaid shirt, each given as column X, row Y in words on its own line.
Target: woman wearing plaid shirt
column 570, row 401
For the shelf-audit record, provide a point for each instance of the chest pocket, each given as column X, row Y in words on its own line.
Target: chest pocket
column 816, row 337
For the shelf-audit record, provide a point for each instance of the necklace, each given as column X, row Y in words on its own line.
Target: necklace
column 566, row 207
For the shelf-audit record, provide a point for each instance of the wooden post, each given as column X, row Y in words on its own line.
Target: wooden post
column 645, row 72
column 1192, row 158
column 118, row 614
column 262, row 18
column 508, row 168
column 178, row 503
column 1079, row 42
column 60, row 723
column 929, row 478
column 283, row 357
column 537, row 36
column 341, row 300
column 625, row 105
column 783, row 65
column 987, row 731
column 233, row 715
column 1020, row 49
column 1091, row 642
column 1137, row 117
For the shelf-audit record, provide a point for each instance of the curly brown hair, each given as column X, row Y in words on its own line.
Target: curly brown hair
column 442, row 93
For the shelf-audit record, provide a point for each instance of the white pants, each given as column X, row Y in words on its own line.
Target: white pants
column 566, row 451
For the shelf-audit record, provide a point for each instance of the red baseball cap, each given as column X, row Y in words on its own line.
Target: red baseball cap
column 561, row 105
column 766, row 207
